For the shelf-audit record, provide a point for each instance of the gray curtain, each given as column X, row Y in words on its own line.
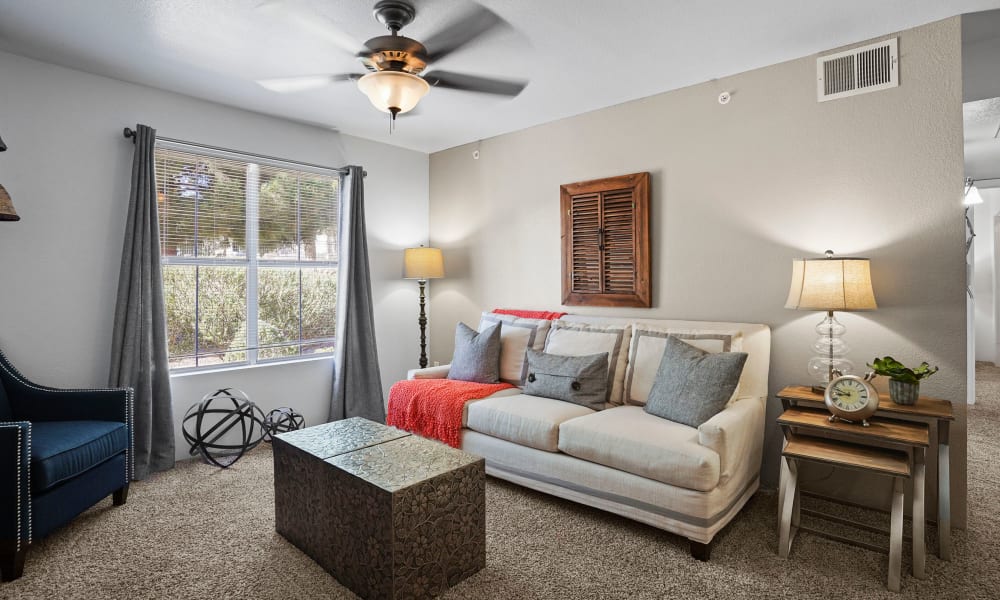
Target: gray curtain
column 139, row 343
column 357, row 384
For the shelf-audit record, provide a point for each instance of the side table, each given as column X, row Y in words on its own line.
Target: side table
column 891, row 448
column 936, row 413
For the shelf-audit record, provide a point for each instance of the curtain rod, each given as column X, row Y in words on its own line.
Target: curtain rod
column 129, row 133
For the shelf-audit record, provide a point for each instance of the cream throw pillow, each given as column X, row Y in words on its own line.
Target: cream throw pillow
column 581, row 339
column 516, row 336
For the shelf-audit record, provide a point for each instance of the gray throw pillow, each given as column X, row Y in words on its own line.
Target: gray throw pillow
column 581, row 380
column 692, row 385
column 477, row 354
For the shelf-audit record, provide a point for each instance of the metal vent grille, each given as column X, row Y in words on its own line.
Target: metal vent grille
column 858, row 71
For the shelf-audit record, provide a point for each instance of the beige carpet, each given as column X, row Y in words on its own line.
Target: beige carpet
column 200, row 532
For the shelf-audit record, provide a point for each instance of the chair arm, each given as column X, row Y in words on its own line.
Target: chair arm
column 15, row 483
column 439, row 372
column 736, row 434
column 33, row 403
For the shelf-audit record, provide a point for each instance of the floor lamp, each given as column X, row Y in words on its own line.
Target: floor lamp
column 423, row 264
column 830, row 284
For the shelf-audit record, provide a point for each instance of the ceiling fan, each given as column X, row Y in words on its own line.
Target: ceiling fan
column 396, row 80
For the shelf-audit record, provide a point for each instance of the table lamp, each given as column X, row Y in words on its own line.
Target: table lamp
column 830, row 284
column 422, row 264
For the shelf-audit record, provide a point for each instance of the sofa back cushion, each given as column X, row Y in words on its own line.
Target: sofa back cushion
column 516, row 336
column 581, row 339
column 646, row 349
column 477, row 354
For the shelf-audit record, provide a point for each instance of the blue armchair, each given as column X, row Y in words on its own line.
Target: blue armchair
column 73, row 448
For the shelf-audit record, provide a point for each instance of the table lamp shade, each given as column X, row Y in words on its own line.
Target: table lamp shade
column 423, row 263
column 831, row 284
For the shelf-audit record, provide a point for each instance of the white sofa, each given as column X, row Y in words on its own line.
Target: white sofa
column 685, row 480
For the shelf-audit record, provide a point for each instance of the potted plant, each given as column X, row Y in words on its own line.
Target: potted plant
column 904, row 383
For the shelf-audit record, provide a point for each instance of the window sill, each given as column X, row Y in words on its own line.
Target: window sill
column 264, row 365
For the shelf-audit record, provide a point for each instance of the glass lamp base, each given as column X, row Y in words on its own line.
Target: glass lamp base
column 830, row 361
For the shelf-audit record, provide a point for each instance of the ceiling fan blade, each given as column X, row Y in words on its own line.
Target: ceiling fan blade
column 472, row 83
column 461, row 31
column 287, row 85
column 310, row 22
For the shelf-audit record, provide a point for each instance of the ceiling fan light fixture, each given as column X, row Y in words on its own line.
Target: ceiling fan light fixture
column 393, row 91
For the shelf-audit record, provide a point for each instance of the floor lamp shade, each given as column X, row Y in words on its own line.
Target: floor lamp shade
column 830, row 284
column 7, row 212
column 423, row 263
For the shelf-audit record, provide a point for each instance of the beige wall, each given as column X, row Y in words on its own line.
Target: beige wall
column 738, row 191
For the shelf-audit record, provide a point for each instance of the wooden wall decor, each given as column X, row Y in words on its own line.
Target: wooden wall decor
column 605, row 242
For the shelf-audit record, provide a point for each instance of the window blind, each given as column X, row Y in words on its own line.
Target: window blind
column 249, row 255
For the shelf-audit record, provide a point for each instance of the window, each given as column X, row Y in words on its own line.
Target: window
column 605, row 242
column 249, row 256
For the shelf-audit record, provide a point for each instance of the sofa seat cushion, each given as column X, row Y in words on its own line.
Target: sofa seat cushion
column 505, row 393
column 630, row 439
column 61, row 450
column 526, row 420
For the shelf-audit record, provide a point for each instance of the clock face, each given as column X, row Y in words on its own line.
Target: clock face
column 850, row 395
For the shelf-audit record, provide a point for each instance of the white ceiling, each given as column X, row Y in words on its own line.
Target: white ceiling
column 580, row 55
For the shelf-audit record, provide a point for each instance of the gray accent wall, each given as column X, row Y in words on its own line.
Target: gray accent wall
column 738, row 191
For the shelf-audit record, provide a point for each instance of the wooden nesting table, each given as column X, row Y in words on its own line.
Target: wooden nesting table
column 937, row 414
column 891, row 448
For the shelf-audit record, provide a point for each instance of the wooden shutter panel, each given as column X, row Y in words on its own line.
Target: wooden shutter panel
column 619, row 242
column 586, row 240
column 605, row 242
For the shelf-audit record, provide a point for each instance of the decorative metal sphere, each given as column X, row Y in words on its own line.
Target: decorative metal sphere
column 223, row 427
column 281, row 420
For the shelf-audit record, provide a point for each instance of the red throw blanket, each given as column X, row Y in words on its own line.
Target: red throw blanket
column 529, row 314
column 433, row 407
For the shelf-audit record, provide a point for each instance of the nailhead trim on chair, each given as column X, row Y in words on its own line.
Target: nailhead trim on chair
column 129, row 452
column 30, row 513
column 17, row 458
column 129, row 393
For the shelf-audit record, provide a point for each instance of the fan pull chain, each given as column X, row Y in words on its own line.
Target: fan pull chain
column 393, row 111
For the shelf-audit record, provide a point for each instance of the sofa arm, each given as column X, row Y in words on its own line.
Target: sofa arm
column 736, row 434
column 439, row 372
column 15, row 487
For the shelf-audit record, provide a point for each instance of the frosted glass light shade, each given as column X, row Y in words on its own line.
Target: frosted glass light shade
column 972, row 196
column 393, row 91
column 831, row 284
column 423, row 263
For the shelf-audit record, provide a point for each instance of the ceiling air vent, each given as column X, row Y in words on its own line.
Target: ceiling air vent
column 858, row 71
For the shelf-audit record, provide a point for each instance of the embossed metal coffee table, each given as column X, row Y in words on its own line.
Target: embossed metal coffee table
column 389, row 514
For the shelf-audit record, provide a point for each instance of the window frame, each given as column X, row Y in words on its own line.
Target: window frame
column 252, row 262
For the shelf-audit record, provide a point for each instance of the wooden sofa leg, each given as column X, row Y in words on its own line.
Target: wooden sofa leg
column 120, row 495
column 11, row 560
column 701, row 551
